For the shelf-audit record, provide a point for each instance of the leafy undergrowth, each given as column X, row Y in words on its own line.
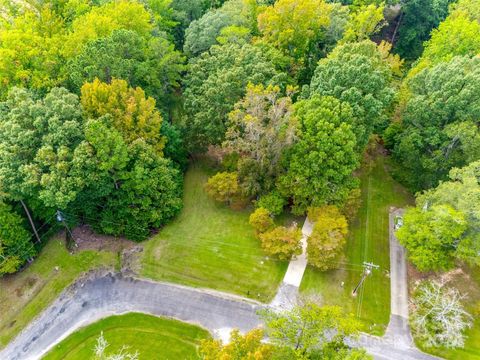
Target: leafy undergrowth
column 151, row 336
column 25, row 294
column 367, row 241
column 210, row 245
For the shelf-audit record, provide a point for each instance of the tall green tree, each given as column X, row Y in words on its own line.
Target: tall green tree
column 148, row 196
column 30, row 51
column 133, row 113
column 360, row 75
column 152, row 64
column 203, row 33
column 298, row 28
column 261, row 127
column 320, row 165
column 418, row 19
column 457, row 35
column 215, row 81
column 364, row 22
column 440, row 121
column 131, row 189
column 301, row 331
column 36, row 151
column 431, row 236
column 102, row 20
column 462, row 192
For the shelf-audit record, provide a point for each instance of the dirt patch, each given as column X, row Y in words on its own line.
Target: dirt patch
column 216, row 153
column 26, row 285
column 87, row 239
column 459, row 278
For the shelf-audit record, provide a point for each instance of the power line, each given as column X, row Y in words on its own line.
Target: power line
column 32, row 245
column 368, row 267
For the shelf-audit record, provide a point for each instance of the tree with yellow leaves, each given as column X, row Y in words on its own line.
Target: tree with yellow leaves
column 246, row 347
column 297, row 28
column 133, row 114
column 325, row 244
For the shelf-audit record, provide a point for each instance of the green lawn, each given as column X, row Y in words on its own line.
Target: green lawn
column 26, row 294
column 151, row 336
column 367, row 241
column 210, row 245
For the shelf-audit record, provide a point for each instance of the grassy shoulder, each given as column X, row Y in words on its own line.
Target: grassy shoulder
column 367, row 241
column 151, row 336
column 25, row 294
column 467, row 281
column 211, row 245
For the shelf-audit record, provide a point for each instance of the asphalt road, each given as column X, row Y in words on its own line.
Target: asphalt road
column 100, row 296
column 90, row 300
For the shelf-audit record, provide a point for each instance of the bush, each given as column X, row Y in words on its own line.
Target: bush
column 261, row 220
column 325, row 244
column 353, row 203
column 273, row 202
column 282, row 242
column 223, row 187
column 15, row 245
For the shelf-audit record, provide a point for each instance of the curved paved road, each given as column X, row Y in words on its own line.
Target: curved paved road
column 98, row 297
column 89, row 300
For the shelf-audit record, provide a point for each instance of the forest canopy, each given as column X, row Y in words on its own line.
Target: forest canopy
column 103, row 103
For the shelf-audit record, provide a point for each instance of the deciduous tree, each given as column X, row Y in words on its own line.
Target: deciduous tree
column 320, row 165
column 364, row 22
column 30, row 51
column 458, row 35
column 133, row 114
column 360, row 75
column 262, row 126
column 418, row 18
column 431, row 236
column 102, row 20
column 326, row 243
column 307, row 327
column 462, row 192
column 261, row 220
column 282, row 242
column 438, row 317
column 431, row 140
column 274, row 202
column 223, row 187
column 244, row 347
column 297, row 27
column 203, row 33
column 152, row 64
column 216, row 80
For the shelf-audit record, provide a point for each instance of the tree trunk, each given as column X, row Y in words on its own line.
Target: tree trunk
column 31, row 221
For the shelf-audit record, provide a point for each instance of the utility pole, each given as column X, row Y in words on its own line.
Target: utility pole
column 367, row 270
column 32, row 224
column 61, row 219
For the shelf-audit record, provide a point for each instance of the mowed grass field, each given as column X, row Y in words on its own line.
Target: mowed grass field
column 151, row 336
column 367, row 241
column 210, row 245
column 25, row 294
